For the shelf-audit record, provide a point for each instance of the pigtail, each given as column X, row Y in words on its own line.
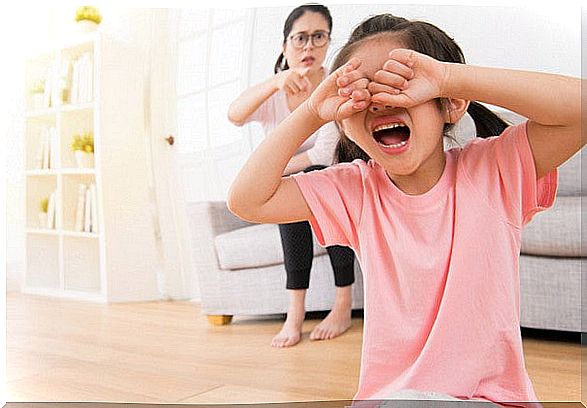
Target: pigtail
column 281, row 64
column 486, row 121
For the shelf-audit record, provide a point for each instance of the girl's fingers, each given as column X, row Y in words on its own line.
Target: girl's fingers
column 397, row 67
column 361, row 83
column 376, row 87
column 348, row 78
column 350, row 107
column 405, row 56
column 359, row 95
column 390, row 79
column 400, row 100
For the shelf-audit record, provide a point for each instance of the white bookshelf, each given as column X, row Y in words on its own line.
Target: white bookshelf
column 116, row 260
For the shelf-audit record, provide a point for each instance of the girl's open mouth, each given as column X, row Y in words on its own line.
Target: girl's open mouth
column 392, row 137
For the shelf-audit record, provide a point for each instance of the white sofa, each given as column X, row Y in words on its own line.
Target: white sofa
column 241, row 271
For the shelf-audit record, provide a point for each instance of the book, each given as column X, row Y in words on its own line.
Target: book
column 74, row 96
column 65, row 80
column 88, row 212
column 51, row 211
column 94, row 208
column 53, row 149
column 80, row 209
column 40, row 151
column 45, row 148
column 47, row 91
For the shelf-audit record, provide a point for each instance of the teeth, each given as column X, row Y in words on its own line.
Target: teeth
column 388, row 126
column 395, row 145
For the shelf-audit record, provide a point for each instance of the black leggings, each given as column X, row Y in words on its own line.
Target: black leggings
column 298, row 252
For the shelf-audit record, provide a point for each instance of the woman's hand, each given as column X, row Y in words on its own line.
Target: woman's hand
column 293, row 80
column 408, row 78
column 330, row 103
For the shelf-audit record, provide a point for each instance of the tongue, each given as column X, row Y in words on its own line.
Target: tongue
column 391, row 138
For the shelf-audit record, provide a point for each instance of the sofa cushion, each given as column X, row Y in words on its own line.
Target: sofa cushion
column 252, row 247
column 555, row 232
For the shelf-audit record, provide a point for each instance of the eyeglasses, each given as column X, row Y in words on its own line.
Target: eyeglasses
column 319, row 39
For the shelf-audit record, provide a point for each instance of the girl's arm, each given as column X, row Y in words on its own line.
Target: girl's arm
column 292, row 81
column 260, row 193
column 552, row 103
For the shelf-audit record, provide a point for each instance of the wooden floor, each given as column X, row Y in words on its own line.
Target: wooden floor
column 166, row 352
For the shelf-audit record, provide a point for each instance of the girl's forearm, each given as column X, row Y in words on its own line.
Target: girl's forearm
column 548, row 99
column 250, row 100
column 261, row 175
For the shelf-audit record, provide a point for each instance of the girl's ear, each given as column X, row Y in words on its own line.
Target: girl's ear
column 454, row 109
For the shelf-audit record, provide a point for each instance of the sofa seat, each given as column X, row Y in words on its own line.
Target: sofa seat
column 556, row 232
column 235, row 251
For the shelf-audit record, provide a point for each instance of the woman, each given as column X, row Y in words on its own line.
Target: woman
column 298, row 71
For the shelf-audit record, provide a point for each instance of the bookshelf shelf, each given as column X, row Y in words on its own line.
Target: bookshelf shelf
column 91, row 243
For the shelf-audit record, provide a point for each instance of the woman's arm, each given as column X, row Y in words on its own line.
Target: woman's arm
column 250, row 100
column 291, row 81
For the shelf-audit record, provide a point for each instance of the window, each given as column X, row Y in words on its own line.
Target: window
column 212, row 47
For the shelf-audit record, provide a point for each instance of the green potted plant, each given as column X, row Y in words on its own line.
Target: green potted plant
column 83, row 149
column 88, row 18
column 37, row 91
column 44, row 208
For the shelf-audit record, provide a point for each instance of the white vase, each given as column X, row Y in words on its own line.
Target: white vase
column 42, row 219
column 87, row 26
column 84, row 160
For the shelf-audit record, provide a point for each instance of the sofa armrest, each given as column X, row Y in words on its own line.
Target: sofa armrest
column 208, row 219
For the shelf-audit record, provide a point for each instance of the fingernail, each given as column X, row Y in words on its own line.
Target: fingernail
column 345, row 91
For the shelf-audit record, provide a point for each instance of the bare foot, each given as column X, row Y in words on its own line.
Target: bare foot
column 289, row 335
column 336, row 323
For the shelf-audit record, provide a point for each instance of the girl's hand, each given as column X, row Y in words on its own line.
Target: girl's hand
column 293, row 80
column 330, row 103
column 408, row 78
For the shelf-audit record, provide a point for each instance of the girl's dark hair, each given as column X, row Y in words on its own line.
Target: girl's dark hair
column 424, row 38
column 281, row 64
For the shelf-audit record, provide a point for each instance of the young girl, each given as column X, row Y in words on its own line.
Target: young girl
column 437, row 233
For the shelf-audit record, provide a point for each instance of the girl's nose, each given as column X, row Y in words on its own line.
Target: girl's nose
column 377, row 107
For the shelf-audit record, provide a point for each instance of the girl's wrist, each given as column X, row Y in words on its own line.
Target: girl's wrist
column 447, row 77
column 311, row 114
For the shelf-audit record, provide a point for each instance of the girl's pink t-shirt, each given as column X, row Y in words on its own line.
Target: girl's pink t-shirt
column 440, row 270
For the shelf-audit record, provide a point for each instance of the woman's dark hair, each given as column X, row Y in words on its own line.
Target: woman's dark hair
column 424, row 38
column 281, row 64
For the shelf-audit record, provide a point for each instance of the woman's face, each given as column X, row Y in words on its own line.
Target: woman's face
column 402, row 140
column 309, row 55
